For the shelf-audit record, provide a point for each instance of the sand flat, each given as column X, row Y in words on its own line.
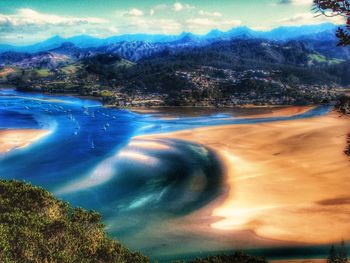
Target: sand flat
column 13, row 139
column 287, row 181
column 286, row 111
column 236, row 112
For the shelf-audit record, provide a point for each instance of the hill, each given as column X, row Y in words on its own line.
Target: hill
column 222, row 73
column 36, row 227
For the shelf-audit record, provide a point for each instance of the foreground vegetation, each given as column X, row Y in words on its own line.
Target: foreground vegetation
column 343, row 106
column 36, row 227
column 238, row 257
column 338, row 254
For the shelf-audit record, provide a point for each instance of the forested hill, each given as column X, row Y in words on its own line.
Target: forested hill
column 36, row 227
column 226, row 72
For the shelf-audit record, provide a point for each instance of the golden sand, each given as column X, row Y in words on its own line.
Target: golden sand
column 283, row 112
column 13, row 139
column 286, row 181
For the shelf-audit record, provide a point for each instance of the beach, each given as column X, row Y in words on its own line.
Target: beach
column 237, row 112
column 13, row 139
column 285, row 182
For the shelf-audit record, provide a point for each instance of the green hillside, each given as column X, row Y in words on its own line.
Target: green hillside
column 36, row 227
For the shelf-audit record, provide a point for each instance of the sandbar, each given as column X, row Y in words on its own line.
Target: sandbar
column 14, row 139
column 286, row 182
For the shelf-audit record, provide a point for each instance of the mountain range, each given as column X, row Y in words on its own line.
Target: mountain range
column 324, row 31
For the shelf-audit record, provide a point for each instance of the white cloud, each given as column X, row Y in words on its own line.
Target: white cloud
column 30, row 17
column 297, row 2
column 309, row 19
column 157, row 8
column 152, row 26
column 28, row 26
column 134, row 12
column 205, row 13
column 203, row 25
column 180, row 7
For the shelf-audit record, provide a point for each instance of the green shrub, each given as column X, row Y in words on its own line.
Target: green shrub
column 36, row 227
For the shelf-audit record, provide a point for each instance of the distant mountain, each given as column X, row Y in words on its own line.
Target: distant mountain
column 51, row 59
column 300, row 32
column 46, row 60
column 309, row 32
column 48, row 44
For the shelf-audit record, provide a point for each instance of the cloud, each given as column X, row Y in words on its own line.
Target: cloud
column 205, row 13
column 310, row 19
column 28, row 25
column 296, row 2
column 157, row 8
column 203, row 25
column 152, row 25
column 134, row 12
column 30, row 17
column 180, row 7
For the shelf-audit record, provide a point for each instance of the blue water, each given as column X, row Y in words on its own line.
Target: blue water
column 87, row 159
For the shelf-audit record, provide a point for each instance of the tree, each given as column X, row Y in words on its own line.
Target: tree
column 332, row 8
column 340, row 256
column 343, row 253
column 36, row 227
column 332, row 257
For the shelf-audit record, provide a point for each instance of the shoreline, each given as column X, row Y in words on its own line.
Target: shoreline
column 12, row 139
column 280, row 182
column 243, row 143
column 162, row 109
column 235, row 112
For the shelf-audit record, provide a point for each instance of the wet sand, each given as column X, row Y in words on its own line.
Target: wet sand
column 286, row 182
column 13, row 139
column 246, row 112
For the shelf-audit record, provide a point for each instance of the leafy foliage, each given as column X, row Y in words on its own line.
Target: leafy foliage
column 343, row 105
column 36, row 227
column 338, row 255
column 334, row 8
column 237, row 257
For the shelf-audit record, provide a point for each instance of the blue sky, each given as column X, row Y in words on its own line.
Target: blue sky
column 28, row 21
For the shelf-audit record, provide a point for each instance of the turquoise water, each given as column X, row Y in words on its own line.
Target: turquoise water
column 87, row 160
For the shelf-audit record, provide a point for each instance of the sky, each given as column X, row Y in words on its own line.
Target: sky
column 30, row 21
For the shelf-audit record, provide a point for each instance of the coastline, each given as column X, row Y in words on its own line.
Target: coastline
column 247, row 229
column 236, row 112
column 245, row 110
column 280, row 181
column 19, row 138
